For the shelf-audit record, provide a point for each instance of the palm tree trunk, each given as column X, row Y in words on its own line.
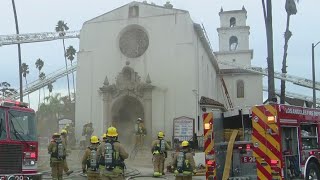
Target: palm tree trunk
column 28, row 94
column 74, row 88
column 284, row 61
column 19, row 50
column 65, row 59
column 267, row 12
column 44, row 95
column 39, row 94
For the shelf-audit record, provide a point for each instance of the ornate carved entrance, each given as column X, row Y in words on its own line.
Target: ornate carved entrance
column 125, row 101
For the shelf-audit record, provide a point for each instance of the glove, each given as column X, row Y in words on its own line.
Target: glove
column 84, row 171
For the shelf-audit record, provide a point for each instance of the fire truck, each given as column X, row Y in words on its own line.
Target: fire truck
column 274, row 142
column 18, row 142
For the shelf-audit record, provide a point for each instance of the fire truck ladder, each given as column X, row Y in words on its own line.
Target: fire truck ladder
column 50, row 78
column 290, row 78
column 294, row 95
column 36, row 37
column 226, row 92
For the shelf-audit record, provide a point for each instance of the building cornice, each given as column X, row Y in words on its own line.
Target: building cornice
column 243, row 10
column 219, row 53
column 235, row 28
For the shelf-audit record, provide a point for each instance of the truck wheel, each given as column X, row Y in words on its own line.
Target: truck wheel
column 313, row 172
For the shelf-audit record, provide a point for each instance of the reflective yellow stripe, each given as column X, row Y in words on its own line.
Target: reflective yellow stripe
column 264, row 118
column 268, row 137
column 264, row 149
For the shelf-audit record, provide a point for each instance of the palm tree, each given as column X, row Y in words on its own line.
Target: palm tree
column 19, row 49
column 291, row 10
column 61, row 27
column 25, row 71
column 50, row 87
column 6, row 89
column 42, row 76
column 70, row 53
column 48, row 113
column 39, row 64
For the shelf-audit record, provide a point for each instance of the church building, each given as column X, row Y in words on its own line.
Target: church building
column 153, row 62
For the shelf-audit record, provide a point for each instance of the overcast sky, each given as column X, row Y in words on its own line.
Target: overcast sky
column 42, row 16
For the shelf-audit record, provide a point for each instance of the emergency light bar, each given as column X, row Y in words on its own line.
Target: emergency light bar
column 14, row 103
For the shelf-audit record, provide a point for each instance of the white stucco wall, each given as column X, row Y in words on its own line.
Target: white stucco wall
column 241, row 58
column 253, row 93
column 170, row 60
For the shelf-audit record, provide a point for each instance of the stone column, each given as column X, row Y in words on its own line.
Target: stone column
column 148, row 115
column 105, row 111
column 108, row 119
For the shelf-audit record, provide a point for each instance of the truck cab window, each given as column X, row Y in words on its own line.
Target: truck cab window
column 22, row 126
column 3, row 131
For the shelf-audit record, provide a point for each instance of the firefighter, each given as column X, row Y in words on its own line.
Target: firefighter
column 159, row 150
column 183, row 163
column 111, row 156
column 87, row 131
column 64, row 140
column 71, row 134
column 140, row 132
column 89, row 160
column 104, row 138
column 57, row 152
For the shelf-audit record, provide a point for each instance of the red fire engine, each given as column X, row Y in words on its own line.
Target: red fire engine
column 284, row 144
column 18, row 142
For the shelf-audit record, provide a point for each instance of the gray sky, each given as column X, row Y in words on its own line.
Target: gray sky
column 42, row 16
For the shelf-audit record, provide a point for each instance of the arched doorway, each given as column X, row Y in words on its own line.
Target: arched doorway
column 125, row 101
column 125, row 111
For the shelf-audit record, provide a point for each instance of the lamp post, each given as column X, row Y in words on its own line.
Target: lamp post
column 314, row 76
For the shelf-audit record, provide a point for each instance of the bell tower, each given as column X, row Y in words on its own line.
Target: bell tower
column 234, row 48
column 234, row 38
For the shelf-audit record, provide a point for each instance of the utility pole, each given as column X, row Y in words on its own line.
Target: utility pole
column 267, row 10
column 19, row 50
column 314, row 76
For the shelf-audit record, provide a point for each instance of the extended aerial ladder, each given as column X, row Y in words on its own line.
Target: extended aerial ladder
column 290, row 78
column 50, row 36
column 50, row 78
column 36, row 37
column 294, row 95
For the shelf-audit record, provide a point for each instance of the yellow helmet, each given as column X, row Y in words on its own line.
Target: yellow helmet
column 161, row 134
column 112, row 132
column 56, row 135
column 94, row 139
column 185, row 143
column 104, row 136
column 64, row 131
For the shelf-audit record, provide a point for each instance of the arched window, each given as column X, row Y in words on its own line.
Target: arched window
column 233, row 43
column 232, row 22
column 240, row 89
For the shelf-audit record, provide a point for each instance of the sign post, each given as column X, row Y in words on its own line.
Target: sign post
column 209, row 146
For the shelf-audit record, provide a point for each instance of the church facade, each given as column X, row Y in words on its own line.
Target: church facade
column 145, row 61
